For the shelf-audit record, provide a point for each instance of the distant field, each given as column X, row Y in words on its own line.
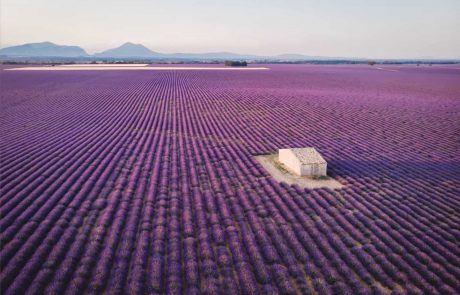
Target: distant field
column 136, row 67
column 135, row 182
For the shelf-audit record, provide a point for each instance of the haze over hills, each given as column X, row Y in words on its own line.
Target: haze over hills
column 294, row 56
column 128, row 49
column 214, row 55
column 131, row 50
column 44, row 49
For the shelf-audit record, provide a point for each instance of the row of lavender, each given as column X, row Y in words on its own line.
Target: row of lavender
column 146, row 183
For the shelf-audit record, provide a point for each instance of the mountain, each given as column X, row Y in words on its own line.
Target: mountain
column 129, row 50
column 42, row 49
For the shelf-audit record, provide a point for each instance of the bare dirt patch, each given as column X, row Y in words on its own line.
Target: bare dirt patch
column 385, row 69
column 282, row 174
column 104, row 65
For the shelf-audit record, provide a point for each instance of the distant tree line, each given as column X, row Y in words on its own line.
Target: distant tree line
column 72, row 60
column 232, row 63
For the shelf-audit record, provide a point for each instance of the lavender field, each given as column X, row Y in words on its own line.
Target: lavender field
column 146, row 182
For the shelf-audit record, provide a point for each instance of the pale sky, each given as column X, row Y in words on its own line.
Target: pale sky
column 340, row 28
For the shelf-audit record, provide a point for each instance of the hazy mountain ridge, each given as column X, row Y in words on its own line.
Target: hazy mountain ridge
column 130, row 50
column 44, row 49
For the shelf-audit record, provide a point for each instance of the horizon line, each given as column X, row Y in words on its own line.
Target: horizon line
column 248, row 54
